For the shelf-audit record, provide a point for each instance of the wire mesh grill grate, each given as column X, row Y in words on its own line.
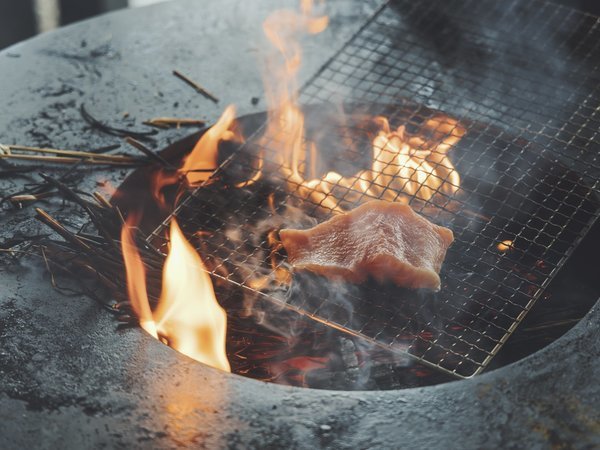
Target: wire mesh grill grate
column 522, row 79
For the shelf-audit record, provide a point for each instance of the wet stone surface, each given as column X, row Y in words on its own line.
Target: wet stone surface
column 69, row 380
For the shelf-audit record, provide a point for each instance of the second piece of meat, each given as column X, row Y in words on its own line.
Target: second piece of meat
column 383, row 240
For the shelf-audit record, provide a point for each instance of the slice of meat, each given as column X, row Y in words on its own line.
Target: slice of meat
column 387, row 241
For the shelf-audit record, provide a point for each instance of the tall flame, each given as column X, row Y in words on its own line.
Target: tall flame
column 188, row 316
column 203, row 159
column 284, row 29
column 402, row 166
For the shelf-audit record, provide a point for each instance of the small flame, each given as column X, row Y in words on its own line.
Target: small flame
column 188, row 316
column 136, row 279
column 202, row 161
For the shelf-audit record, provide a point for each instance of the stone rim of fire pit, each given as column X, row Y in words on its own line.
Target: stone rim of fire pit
column 126, row 394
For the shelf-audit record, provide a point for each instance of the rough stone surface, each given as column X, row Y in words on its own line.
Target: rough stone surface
column 68, row 380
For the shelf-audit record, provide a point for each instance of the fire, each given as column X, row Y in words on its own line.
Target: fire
column 136, row 279
column 202, row 161
column 284, row 29
column 402, row 166
column 161, row 180
column 399, row 170
column 188, row 316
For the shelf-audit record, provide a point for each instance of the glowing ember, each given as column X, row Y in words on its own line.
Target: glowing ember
column 505, row 246
column 188, row 316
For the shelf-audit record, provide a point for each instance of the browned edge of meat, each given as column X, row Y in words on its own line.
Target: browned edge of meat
column 379, row 239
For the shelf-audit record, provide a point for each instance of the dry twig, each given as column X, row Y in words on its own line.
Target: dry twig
column 54, row 155
column 168, row 122
column 113, row 131
column 146, row 151
column 196, row 86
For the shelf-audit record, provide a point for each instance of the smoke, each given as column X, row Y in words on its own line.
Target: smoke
column 506, row 73
column 516, row 75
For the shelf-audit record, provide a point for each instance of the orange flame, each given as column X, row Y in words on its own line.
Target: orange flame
column 202, row 161
column 398, row 170
column 284, row 28
column 188, row 316
column 136, row 279
column 188, row 313
column 402, row 166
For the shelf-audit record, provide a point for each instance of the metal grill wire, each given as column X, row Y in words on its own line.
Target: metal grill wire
column 522, row 77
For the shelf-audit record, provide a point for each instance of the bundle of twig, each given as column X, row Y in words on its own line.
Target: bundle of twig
column 58, row 156
column 95, row 258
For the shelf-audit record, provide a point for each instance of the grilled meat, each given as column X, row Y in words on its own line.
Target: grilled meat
column 386, row 241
